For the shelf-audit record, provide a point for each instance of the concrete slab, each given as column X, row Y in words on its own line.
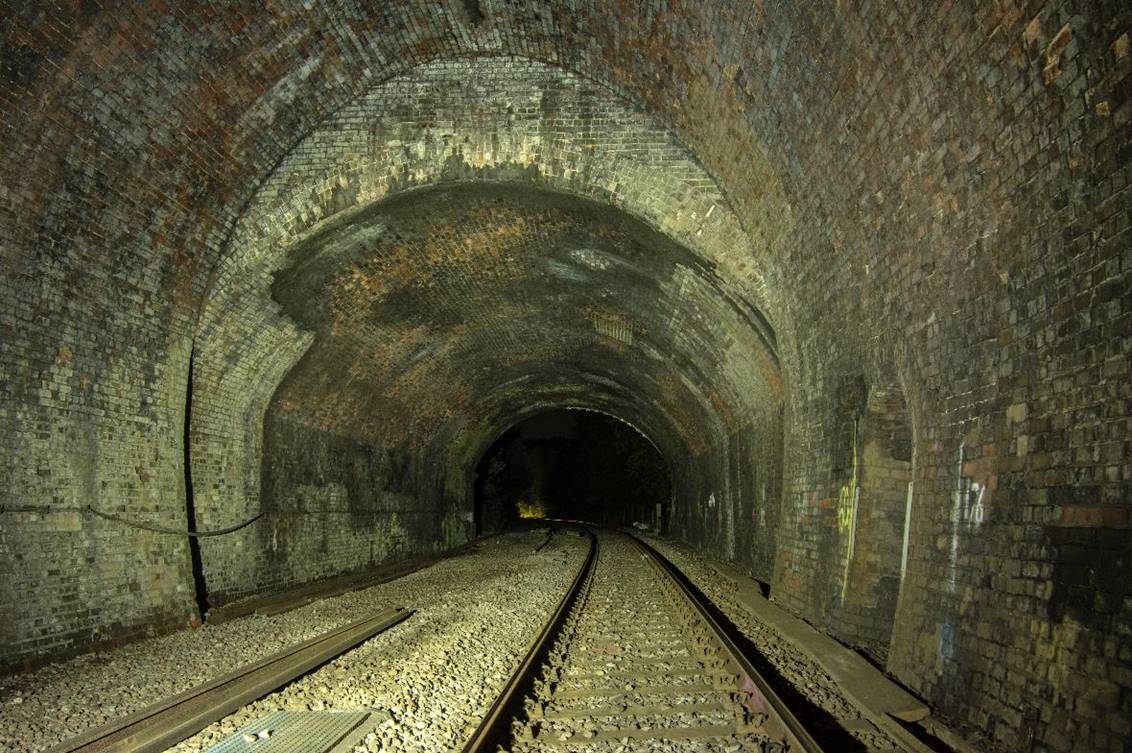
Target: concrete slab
column 863, row 683
column 286, row 731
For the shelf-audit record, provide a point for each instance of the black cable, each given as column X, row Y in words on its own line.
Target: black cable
column 42, row 509
column 175, row 531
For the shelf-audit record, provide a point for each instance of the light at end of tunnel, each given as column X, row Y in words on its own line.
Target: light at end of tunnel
column 535, row 509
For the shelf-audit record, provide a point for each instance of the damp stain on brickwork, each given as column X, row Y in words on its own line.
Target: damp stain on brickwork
column 465, row 278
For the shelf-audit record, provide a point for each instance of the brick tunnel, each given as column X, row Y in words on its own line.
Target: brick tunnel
column 279, row 280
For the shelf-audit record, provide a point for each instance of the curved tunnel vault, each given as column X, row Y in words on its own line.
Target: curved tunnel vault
column 428, row 267
column 426, row 305
column 441, row 312
column 884, row 343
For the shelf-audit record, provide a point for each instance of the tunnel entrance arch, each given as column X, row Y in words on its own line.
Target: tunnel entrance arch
column 575, row 463
column 406, row 345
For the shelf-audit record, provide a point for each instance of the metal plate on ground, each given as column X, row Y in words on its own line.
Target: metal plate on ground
column 296, row 732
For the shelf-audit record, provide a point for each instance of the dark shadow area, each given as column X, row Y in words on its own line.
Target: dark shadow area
column 924, row 736
column 200, row 586
column 571, row 464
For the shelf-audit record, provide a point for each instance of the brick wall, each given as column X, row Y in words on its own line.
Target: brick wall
column 522, row 123
column 928, row 195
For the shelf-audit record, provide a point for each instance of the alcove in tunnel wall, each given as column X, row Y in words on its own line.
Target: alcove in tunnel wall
column 860, row 529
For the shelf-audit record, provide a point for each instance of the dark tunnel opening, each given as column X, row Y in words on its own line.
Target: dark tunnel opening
column 574, row 464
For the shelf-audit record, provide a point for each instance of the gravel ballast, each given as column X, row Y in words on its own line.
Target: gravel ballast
column 428, row 678
column 627, row 675
column 799, row 669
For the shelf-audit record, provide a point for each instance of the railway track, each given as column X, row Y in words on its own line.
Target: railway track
column 631, row 660
column 157, row 727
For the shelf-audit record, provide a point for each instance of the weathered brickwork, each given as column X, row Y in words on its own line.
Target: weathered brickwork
column 424, row 314
column 927, row 200
column 337, row 505
column 522, row 123
column 978, row 252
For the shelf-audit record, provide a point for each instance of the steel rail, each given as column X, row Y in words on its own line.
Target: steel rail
column 166, row 723
column 780, row 722
column 494, row 729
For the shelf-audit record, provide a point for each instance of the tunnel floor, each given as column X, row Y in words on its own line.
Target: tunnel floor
column 427, row 679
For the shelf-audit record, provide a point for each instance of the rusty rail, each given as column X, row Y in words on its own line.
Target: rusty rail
column 494, row 729
column 766, row 712
column 166, row 723
column 778, row 722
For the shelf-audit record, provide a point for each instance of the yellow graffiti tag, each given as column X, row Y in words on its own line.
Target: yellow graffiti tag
column 847, row 500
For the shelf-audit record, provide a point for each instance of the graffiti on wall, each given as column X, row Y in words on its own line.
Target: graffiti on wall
column 967, row 510
column 848, row 499
column 947, row 640
column 968, row 496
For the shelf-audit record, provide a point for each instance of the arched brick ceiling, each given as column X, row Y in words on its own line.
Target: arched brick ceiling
column 159, row 127
column 425, row 306
column 480, row 121
column 136, row 137
column 189, row 108
column 506, row 408
column 917, row 193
